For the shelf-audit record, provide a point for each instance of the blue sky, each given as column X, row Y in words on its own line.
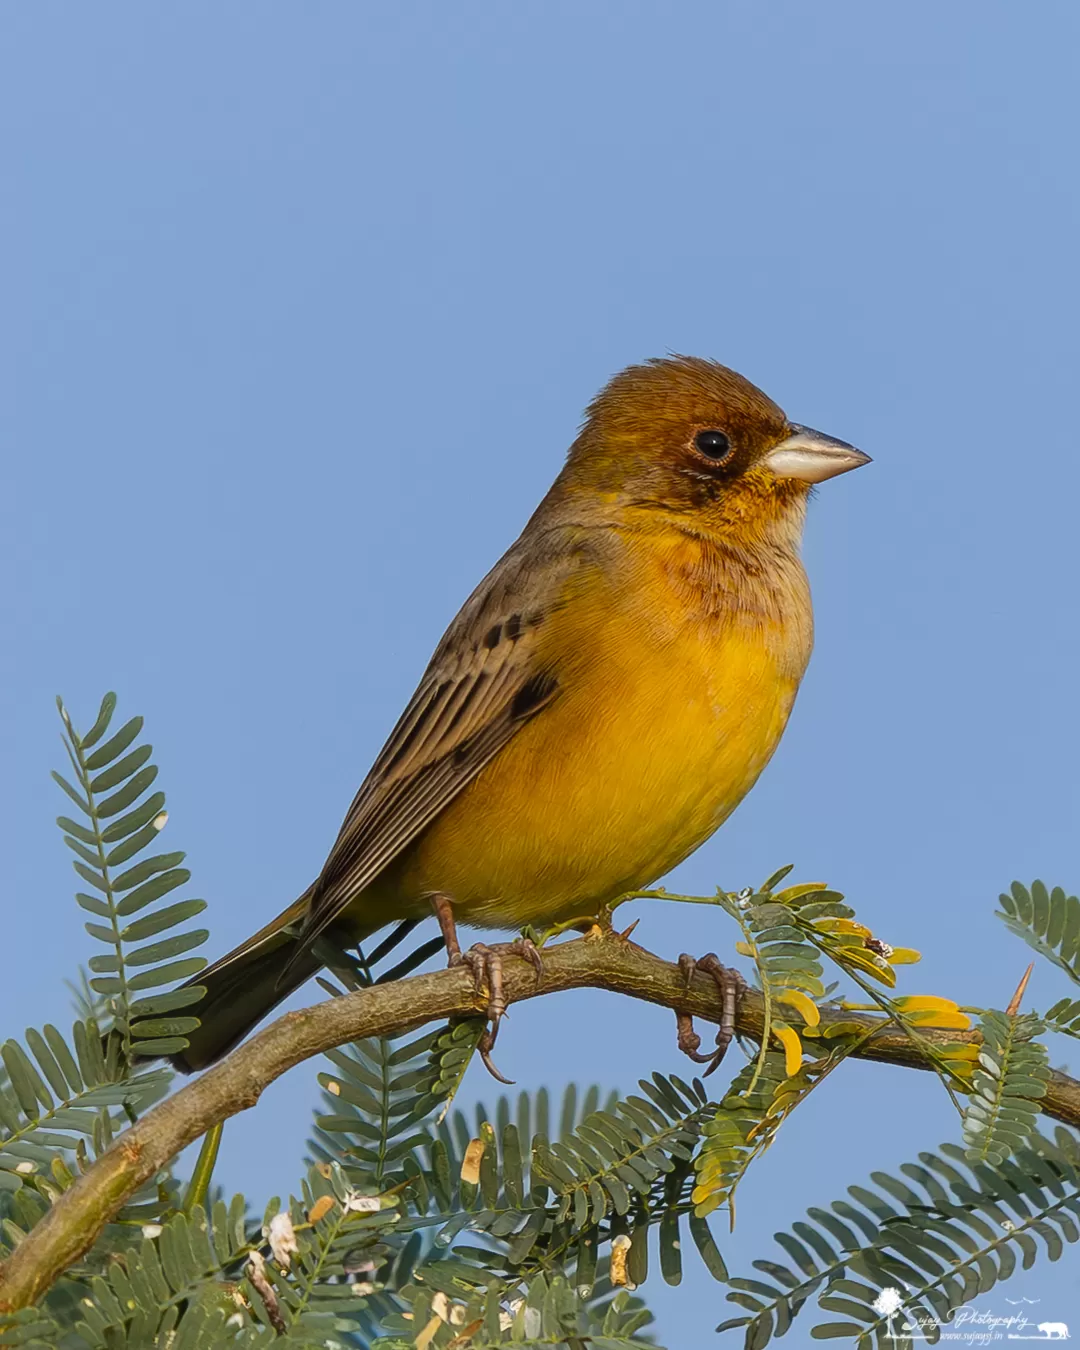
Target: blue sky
column 301, row 308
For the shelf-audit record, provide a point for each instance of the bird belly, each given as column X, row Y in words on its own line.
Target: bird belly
column 629, row 770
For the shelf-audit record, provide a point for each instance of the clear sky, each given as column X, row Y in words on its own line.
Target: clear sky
column 301, row 305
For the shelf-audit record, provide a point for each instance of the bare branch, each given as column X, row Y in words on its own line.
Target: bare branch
column 611, row 962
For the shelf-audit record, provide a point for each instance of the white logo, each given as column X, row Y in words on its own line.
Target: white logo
column 969, row 1326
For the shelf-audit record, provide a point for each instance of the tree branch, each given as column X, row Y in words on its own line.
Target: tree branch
column 72, row 1225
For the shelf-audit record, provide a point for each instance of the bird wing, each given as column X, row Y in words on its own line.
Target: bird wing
column 485, row 681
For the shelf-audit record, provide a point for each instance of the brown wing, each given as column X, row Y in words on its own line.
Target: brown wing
column 484, row 682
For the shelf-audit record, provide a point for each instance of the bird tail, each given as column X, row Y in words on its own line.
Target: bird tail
column 245, row 985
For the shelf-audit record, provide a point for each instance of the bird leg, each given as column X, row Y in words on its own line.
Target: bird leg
column 486, row 964
column 731, row 985
column 444, row 913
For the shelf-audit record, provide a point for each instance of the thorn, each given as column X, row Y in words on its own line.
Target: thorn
column 1014, row 1002
column 627, row 931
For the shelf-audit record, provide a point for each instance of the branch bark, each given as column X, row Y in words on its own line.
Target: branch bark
column 72, row 1225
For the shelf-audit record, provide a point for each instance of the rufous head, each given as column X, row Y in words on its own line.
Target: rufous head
column 687, row 435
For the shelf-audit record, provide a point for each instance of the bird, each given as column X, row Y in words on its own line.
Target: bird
column 601, row 703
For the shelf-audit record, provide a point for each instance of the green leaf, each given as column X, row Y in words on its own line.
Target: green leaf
column 79, row 831
column 27, row 1082
column 115, row 746
column 91, row 877
column 164, row 1026
column 670, row 1248
column 64, row 1057
column 133, row 844
column 159, row 975
column 168, row 1002
column 89, row 856
column 122, row 799
column 107, row 985
column 94, row 906
column 79, row 800
column 161, row 920
column 122, row 770
column 707, row 1248
column 136, row 820
column 47, row 1062
column 101, row 725
column 168, row 948
column 142, row 871
column 153, row 890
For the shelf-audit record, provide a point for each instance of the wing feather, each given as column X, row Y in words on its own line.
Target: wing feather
column 486, row 679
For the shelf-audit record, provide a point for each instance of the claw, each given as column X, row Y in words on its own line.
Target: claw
column 730, row 984
column 485, row 1044
column 689, row 1040
column 486, row 964
column 527, row 948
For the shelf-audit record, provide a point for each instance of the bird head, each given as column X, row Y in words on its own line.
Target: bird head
column 686, row 435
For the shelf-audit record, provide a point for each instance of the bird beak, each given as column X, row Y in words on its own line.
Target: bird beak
column 812, row 456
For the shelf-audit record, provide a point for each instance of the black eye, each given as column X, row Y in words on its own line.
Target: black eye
column 713, row 444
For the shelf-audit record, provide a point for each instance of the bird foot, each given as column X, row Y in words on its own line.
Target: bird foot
column 486, row 964
column 730, row 985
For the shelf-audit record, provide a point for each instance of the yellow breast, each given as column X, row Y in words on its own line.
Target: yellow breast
column 677, row 672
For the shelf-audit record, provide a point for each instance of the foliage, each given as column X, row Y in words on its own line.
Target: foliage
column 549, row 1312
column 1064, row 1016
column 59, row 1099
column 965, row 1231
column 111, row 857
column 139, row 1298
column 1006, row 1088
column 787, row 933
column 1048, row 921
column 418, row 1226
column 956, row 1236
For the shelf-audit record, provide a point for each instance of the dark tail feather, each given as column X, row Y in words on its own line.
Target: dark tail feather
column 240, row 991
column 246, row 984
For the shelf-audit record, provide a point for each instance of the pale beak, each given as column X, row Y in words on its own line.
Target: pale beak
column 812, row 456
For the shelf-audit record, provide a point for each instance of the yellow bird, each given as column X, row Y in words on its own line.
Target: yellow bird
column 602, row 702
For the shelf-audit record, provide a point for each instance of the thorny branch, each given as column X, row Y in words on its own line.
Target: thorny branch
column 610, row 962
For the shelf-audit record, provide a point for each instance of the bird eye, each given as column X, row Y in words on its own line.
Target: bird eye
column 713, row 444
